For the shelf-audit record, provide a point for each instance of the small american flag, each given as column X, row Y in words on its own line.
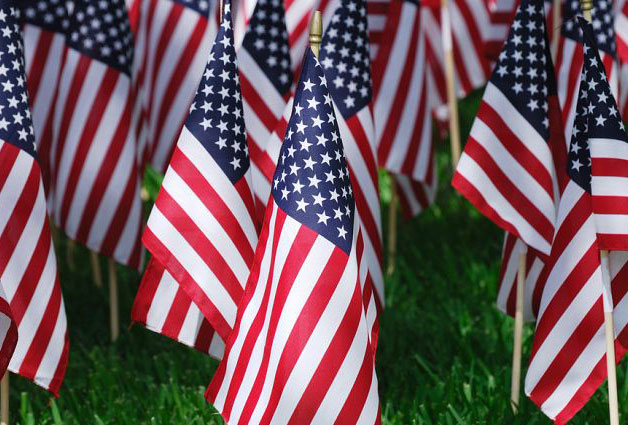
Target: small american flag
column 202, row 227
column 171, row 45
column 301, row 350
column 45, row 23
column 507, row 169
column 415, row 196
column 162, row 306
column 266, row 77
column 346, row 63
column 28, row 266
column 96, row 181
column 402, row 105
column 568, row 356
column 570, row 55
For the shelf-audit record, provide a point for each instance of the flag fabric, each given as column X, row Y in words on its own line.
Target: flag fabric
column 507, row 292
column 507, row 169
column 266, row 78
column 301, row 350
column 172, row 41
column 298, row 15
column 402, row 103
column 502, row 13
column 28, row 267
column 45, row 23
column 621, row 29
column 345, row 59
column 202, row 227
column 8, row 332
column 377, row 12
column 96, row 184
column 570, row 55
column 415, row 196
column 162, row 306
column 567, row 361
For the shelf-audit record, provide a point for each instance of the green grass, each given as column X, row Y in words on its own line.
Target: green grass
column 444, row 351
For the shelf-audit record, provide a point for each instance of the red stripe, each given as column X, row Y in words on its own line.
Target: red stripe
column 386, row 44
column 40, row 59
column 176, row 315
column 610, row 167
column 204, row 337
column 362, row 142
column 366, row 216
column 474, row 35
column 257, row 103
column 356, row 402
column 57, row 377
column 8, row 156
column 146, row 292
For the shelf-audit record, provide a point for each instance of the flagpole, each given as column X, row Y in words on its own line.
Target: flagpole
column 392, row 226
column 69, row 254
column 316, row 32
column 96, row 271
column 114, row 315
column 454, row 128
column 609, row 326
column 556, row 18
column 4, row 399
column 515, row 382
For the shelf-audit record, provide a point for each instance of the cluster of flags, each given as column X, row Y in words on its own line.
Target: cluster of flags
column 266, row 239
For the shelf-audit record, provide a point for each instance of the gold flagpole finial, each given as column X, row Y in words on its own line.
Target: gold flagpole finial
column 316, row 32
column 586, row 6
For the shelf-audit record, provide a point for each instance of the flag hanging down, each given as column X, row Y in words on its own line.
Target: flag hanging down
column 266, row 78
column 507, row 292
column 202, row 227
column 28, row 267
column 162, row 306
column 507, row 170
column 402, row 102
column 8, row 332
column 301, row 350
column 570, row 55
column 568, row 360
column 345, row 59
column 414, row 196
column 96, row 185
column 45, row 23
column 172, row 41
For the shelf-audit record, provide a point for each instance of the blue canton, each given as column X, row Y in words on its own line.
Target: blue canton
column 201, row 6
column 601, row 19
column 345, row 57
column 49, row 14
column 596, row 113
column 266, row 41
column 100, row 29
column 216, row 118
column 311, row 183
column 521, row 73
column 16, row 126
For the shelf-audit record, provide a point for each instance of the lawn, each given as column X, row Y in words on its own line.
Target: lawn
column 444, row 353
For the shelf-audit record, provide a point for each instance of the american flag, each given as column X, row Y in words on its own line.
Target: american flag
column 568, row 355
column 45, row 23
column 202, row 227
column 469, row 19
column 301, row 350
column 415, row 196
column 570, row 56
column 266, row 78
column 298, row 14
column 507, row 170
column 621, row 29
column 172, row 41
column 502, row 13
column 345, row 60
column 402, row 104
column 8, row 332
column 162, row 306
column 377, row 13
column 28, row 267
column 96, row 182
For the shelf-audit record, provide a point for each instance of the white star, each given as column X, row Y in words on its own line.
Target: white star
column 599, row 120
column 318, row 199
column 297, row 186
column 208, row 90
column 317, row 122
column 235, row 163
column 222, row 126
column 207, row 123
column 576, row 165
column 341, row 232
column 575, row 147
column 322, row 218
column 4, row 124
column 334, row 195
column 602, row 97
column 312, row 103
column 301, row 127
column 314, row 181
column 294, row 168
column 321, row 139
column 298, row 109
column 221, row 142
column 309, row 163
column 338, row 214
column 7, row 86
column 305, row 145
column 308, row 85
column 284, row 193
column 301, row 205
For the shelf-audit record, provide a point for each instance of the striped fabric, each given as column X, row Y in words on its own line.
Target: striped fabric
column 507, row 293
column 301, row 351
column 181, row 31
column 8, row 332
column 202, row 227
column 501, row 13
column 377, row 12
column 414, row 196
column 568, row 360
column 162, row 306
column 44, row 51
column 96, row 185
column 28, row 266
column 507, row 167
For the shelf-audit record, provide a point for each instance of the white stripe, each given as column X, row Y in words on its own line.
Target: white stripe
column 54, row 350
column 260, row 83
column 161, row 303
column 609, row 148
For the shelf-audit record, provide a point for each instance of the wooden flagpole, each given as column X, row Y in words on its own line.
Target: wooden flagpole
column 94, row 260
column 557, row 22
column 4, row 399
column 114, row 314
column 454, row 128
column 515, row 383
column 609, row 326
column 392, row 226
